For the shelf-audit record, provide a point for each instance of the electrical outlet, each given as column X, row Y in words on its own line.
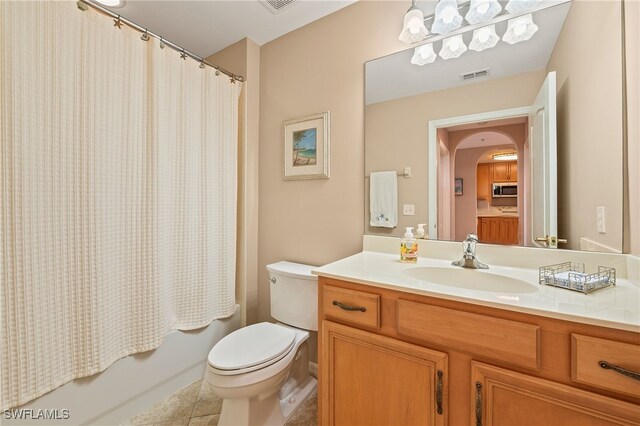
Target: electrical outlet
column 408, row 209
column 600, row 219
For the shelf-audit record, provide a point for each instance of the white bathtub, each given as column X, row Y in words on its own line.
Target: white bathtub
column 133, row 384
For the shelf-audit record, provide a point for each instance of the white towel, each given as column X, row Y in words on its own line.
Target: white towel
column 383, row 199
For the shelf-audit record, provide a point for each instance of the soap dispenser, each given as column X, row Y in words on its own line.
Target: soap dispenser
column 408, row 247
column 420, row 232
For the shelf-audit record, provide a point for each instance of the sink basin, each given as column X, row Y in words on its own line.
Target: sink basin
column 471, row 279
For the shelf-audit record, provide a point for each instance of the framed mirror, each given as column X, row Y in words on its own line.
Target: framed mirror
column 472, row 119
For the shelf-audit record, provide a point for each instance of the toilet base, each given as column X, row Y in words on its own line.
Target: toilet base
column 273, row 410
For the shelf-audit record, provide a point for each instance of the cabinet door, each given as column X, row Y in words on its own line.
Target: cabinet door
column 508, row 230
column 494, row 230
column 483, row 182
column 504, row 397
column 501, row 172
column 368, row 379
column 513, row 171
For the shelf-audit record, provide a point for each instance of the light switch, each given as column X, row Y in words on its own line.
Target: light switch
column 408, row 209
column 601, row 220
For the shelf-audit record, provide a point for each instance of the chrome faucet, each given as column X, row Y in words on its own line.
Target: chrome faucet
column 469, row 259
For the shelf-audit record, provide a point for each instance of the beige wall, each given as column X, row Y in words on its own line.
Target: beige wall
column 632, row 25
column 590, row 131
column 397, row 133
column 243, row 58
column 318, row 68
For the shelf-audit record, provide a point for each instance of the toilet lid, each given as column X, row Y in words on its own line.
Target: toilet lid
column 253, row 345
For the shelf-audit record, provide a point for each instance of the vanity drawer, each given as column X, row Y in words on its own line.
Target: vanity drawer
column 586, row 355
column 356, row 307
column 505, row 340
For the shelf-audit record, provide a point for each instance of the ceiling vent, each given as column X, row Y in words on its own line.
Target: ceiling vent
column 474, row 74
column 276, row 6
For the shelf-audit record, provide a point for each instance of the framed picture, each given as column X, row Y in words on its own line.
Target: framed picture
column 306, row 147
column 457, row 186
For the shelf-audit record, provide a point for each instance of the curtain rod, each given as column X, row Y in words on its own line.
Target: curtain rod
column 83, row 4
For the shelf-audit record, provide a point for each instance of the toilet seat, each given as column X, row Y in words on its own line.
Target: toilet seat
column 251, row 348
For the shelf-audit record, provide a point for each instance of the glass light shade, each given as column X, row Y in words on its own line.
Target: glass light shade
column 452, row 47
column 484, row 38
column 520, row 29
column 413, row 30
column 482, row 10
column 447, row 17
column 519, row 6
column 423, row 55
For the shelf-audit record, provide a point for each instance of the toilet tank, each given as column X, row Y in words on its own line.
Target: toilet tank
column 294, row 294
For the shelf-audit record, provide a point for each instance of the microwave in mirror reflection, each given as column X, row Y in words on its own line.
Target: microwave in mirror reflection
column 505, row 190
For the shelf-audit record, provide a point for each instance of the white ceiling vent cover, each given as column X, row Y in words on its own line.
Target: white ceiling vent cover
column 276, row 6
column 474, row 74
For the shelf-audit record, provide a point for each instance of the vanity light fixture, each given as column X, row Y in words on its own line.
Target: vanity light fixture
column 520, row 29
column 505, row 157
column 447, row 17
column 484, row 38
column 413, row 29
column 482, row 11
column 452, row 47
column 423, row 55
column 481, row 16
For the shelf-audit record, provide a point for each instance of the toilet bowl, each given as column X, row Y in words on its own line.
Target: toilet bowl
column 261, row 371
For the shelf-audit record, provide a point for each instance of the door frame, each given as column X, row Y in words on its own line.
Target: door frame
column 434, row 125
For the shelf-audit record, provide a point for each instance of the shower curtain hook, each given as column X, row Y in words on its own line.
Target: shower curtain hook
column 117, row 22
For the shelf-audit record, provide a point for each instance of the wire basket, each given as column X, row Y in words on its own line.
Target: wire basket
column 571, row 276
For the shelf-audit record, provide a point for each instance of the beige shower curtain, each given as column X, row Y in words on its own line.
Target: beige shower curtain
column 118, row 195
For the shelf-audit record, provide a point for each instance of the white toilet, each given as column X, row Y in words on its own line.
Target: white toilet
column 261, row 371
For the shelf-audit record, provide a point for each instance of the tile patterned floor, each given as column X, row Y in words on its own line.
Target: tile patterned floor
column 197, row 405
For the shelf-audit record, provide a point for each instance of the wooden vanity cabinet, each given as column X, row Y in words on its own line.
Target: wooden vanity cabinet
column 371, row 379
column 505, row 397
column 414, row 359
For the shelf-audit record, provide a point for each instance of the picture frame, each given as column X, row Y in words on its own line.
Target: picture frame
column 306, row 147
column 457, row 186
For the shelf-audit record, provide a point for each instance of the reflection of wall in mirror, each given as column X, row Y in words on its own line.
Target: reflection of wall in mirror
column 589, row 106
column 406, row 119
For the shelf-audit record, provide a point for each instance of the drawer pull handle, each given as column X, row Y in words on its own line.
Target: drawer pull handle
column 349, row 308
column 478, row 404
column 632, row 374
column 439, row 392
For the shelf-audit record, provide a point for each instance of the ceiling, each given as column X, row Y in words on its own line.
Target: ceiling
column 205, row 27
column 394, row 76
column 481, row 139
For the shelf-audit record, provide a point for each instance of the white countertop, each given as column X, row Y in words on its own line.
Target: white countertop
column 615, row 307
